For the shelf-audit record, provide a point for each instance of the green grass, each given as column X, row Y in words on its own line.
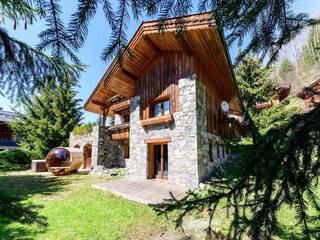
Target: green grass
column 74, row 210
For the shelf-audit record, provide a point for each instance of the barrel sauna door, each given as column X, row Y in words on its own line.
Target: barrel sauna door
column 158, row 161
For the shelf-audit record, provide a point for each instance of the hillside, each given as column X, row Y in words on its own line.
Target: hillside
column 302, row 77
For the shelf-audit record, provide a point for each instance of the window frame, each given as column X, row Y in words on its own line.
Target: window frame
column 123, row 114
column 159, row 100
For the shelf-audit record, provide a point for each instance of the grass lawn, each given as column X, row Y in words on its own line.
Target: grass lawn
column 74, row 210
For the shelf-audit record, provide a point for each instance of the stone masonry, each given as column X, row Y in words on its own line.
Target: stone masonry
column 188, row 151
column 105, row 152
column 182, row 150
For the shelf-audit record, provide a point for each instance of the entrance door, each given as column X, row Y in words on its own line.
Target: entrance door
column 158, row 161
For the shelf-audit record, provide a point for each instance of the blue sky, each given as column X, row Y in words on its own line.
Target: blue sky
column 98, row 37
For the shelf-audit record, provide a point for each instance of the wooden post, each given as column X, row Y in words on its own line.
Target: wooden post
column 103, row 116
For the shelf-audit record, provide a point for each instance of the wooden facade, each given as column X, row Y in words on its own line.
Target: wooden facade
column 156, row 62
column 311, row 95
column 160, row 79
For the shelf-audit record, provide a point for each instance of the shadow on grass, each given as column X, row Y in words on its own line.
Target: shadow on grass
column 15, row 207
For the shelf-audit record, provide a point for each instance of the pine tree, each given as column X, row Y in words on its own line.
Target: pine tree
column 278, row 115
column 267, row 25
column 286, row 67
column 255, row 20
column 255, row 82
column 48, row 118
column 281, row 168
column 312, row 48
column 23, row 68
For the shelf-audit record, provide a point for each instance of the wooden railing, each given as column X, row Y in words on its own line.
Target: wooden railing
column 166, row 119
column 120, row 106
column 120, row 136
column 120, row 132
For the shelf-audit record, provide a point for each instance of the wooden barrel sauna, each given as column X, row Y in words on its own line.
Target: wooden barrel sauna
column 64, row 161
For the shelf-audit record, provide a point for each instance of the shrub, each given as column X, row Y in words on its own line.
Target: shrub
column 18, row 156
column 83, row 129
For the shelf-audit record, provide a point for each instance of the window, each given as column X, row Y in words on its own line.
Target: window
column 122, row 117
column 126, row 150
column 161, row 108
column 210, row 151
column 126, row 117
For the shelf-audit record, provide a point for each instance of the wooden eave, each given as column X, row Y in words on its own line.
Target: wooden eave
column 201, row 37
column 304, row 93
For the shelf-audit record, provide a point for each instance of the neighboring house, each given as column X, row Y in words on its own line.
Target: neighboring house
column 311, row 95
column 7, row 138
column 165, row 96
column 283, row 92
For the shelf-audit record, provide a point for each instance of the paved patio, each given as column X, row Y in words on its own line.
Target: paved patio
column 143, row 191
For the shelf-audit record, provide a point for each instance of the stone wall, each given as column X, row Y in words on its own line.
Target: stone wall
column 105, row 152
column 110, row 153
column 182, row 150
column 188, row 152
column 205, row 164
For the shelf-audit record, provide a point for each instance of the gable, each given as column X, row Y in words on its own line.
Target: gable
column 202, row 38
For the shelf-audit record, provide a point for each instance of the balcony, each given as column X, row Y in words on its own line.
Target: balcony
column 120, row 132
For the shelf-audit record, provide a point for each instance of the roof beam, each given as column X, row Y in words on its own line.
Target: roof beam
column 122, row 87
column 100, row 103
column 151, row 43
column 129, row 74
column 185, row 46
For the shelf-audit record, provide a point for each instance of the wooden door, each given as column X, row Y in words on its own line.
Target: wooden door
column 158, row 161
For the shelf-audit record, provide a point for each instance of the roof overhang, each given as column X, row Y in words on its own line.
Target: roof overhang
column 201, row 36
column 304, row 94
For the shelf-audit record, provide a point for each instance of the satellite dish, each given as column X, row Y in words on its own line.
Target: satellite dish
column 225, row 106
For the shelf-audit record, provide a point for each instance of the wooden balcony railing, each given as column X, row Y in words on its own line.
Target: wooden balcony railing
column 120, row 132
column 120, row 106
column 121, row 136
column 166, row 119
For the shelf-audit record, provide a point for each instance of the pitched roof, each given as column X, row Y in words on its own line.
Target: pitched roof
column 305, row 93
column 201, row 36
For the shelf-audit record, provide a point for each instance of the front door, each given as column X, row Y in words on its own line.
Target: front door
column 158, row 161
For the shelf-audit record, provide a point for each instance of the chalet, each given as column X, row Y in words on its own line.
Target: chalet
column 311, row 95
column 7, row 139
column 282, row 93
column 165, row 98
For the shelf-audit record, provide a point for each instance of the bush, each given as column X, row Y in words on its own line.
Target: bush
column 83, row 129
column 18, row 156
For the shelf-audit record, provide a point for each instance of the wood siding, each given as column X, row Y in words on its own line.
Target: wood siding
column 213, row 99
column 161, row 78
